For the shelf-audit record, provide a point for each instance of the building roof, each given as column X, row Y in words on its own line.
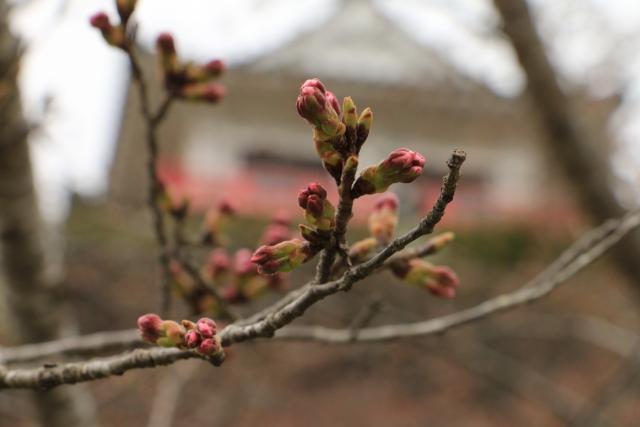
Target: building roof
column 359, row 43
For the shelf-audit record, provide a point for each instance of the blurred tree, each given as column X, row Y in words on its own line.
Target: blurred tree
column 567, row 140
column 31, row 311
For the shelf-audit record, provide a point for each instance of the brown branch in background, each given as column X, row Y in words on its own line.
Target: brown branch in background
column 152, row 120
column 37, row 377
column 566, row 139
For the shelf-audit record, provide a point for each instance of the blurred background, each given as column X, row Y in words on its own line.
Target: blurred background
column 439, row 75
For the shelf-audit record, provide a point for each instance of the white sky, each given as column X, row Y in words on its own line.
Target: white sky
column 593, row 42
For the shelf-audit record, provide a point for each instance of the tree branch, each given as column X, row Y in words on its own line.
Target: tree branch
column 85, row 371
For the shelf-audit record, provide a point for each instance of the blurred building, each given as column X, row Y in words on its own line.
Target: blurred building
column 255, row 149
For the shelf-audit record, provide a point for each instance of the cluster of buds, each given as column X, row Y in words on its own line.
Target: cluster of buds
column 318, row 211
column 402, row 165
column 337, row 132
column 216, row 223
column 200, row 336
column 384, row 218
column 188, row 81
column 440, row 280
column 283, row 257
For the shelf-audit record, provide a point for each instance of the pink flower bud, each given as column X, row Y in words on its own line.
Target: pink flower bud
column 210, row 92
column 333, row 102
column 206, row 327
column 100, row 21
column 283, row 257
column 321, row 109
column 166, row 44
column 318, row 210
column 384, row 218
column 402, row 165
column 208, row 347
column 192, row 339
column 149, row 327
column 440, row 280
column 113, row 35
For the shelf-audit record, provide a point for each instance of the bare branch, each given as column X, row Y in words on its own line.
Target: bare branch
column 84, row 371
column 532, row 291
column 152, row 120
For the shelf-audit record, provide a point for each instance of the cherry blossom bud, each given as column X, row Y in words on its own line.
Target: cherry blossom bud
column 360, row 249
column 402, row 165
column 171, row 334
column 437, row 243
column 333, row 102
column 208, row 347
column 206, row 327
column 283, row 257
column 350, row 117
column 440, row 280
column 364, row 126
column 166, row 47
column 149, row 327
column 319, row 212
column 384, row 218
column 125, row 9
column 209, row 92
column 321, row 109
column 203, row 73
column 113, row 35
column 192, row 339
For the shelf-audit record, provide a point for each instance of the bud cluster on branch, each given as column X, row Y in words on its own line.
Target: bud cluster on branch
column 200, row 337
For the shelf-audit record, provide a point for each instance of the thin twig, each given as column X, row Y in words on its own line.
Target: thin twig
column 152, row 121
